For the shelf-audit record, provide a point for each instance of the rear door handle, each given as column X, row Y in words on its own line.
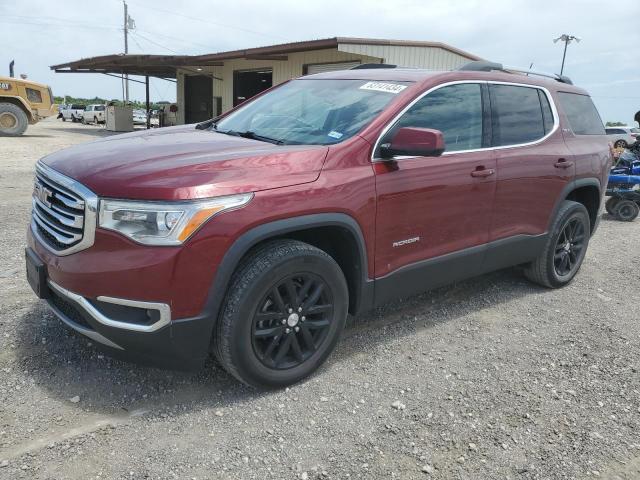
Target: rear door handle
column 482, row 172
column 563, row 163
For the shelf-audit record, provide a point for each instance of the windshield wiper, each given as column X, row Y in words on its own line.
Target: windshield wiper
column 261, row 138
column 248, row 134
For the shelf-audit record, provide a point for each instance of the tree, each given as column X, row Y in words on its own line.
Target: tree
column 615, row 124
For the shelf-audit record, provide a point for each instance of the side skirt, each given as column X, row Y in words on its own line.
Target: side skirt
column 452, row 267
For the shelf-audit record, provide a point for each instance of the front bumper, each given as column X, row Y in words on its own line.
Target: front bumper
column 160, row 343
column 137, row 303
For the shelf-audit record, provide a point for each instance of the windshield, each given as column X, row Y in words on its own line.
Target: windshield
column 311, row 112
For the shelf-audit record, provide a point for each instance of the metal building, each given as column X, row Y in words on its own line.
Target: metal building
column 207, row 85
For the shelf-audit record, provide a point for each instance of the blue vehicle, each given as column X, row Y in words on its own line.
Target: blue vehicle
column 623, row 187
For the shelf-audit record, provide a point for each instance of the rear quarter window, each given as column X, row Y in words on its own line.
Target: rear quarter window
column 518, row 115
column 583, row 117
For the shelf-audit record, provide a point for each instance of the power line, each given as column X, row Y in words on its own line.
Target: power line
column 223, row 25
column 182, row 40
column 154, row 42
column 50, row 24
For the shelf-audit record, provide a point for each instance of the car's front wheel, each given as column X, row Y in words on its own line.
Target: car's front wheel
column 565, row 248
column 286, row 307
column 620, row 144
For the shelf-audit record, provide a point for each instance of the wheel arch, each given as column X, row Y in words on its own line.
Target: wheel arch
column 19, row 102
column 586, row 191
column 316, row 229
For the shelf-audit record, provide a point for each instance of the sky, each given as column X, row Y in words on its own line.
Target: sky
column 606, row 62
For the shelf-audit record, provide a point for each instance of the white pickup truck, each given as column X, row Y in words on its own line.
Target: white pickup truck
column 71, row 112
column 94, row 114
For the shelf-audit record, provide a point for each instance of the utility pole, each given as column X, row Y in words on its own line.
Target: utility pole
column 128, row 24
column 567, row 39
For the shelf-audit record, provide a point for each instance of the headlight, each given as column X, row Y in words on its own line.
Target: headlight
column 163, row 223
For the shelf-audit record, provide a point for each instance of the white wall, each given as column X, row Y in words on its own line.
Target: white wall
column 433, row 58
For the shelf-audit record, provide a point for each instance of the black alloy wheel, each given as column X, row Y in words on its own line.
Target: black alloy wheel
column 292, row 321
column 283, row 314
column 565, row 248
column 569, row 247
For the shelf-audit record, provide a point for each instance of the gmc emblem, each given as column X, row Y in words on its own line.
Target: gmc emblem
column 43, row 194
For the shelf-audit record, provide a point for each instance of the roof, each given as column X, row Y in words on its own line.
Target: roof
column 153, row 65
column 378, row 74
column 165, row 65
column 419, row 75
column 325, row 43
column 28, row 80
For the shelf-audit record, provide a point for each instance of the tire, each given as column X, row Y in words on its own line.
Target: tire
column 620, row 144
column 253, row 331
column 563, row 253
column 626, row 210
column 610, row 205
column 64, row 119
column 74, row 119
column 13, row 120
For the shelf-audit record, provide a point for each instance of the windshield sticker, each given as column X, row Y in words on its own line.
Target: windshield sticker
column 334, row 134
column 383, row 87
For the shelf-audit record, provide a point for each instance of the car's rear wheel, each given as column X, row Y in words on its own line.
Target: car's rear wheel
column 13, row 120
column 565, row 248
column 283, row 315
column 610, row 205
column 626, row 210
column 620, row 144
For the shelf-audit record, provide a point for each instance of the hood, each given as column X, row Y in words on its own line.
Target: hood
column 179, row 163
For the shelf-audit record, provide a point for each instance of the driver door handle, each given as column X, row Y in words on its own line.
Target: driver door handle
column 481, row 172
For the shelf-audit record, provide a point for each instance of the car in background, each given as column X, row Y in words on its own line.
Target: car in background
column 73, row 112
column 94, row 114
column 622, row 137
column 139, row 117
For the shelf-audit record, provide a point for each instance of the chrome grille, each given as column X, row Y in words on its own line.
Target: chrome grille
column 64, row 211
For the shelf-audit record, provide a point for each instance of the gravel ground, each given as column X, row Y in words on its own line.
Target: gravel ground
column 489, row 378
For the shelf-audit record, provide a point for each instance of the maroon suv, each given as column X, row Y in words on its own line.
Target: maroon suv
column 253, row 235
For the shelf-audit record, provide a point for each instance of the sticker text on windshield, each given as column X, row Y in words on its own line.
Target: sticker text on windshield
column 383, row 87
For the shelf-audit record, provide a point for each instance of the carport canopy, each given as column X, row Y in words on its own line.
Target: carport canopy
column 161, row 66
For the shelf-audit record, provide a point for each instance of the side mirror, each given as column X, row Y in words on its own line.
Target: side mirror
column 415, row 142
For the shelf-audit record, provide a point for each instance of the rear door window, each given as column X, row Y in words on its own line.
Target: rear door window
column 517, row 115
column 581, row 113
column 455, row 110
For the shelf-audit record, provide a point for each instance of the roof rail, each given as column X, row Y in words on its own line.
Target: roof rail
column 481, row 66
column 372, row 65
column 484, row 66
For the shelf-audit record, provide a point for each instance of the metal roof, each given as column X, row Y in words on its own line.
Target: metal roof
column 165, row 65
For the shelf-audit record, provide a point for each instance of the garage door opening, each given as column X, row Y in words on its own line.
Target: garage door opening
column 246, row 84
column 198, row 98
